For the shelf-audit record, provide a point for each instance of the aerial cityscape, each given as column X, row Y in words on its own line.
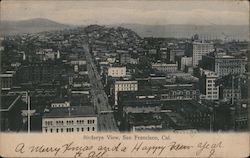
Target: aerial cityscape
column 97, row 78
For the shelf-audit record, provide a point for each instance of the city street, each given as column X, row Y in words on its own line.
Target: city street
column 106, row 121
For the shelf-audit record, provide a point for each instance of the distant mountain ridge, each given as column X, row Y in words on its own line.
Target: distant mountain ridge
column 30, row 26
column 238, row 32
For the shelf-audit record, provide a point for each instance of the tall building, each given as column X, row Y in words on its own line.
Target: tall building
column 167, row 55
column 6, row 81
column 122, row 86
column 164, row 53
column 186, row 61
column 199, row 49
column 125, row 58
column 70, row 119
column 208, row 86
column 224, row 64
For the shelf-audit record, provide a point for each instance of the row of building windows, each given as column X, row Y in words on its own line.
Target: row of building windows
column 91, row 121
column 177, row 96
column 48, row 122
column 57, row 130
column 212, row 96
column 59, row 105
column 59, row 122
column 127, row 85
column 211, row 93
column 212, row 88
column 68, row 122
column 80, row 121
column 178, row 92
column 210, row 85
column 127, row 89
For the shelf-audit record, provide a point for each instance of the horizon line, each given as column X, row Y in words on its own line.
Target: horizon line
column 131, row 23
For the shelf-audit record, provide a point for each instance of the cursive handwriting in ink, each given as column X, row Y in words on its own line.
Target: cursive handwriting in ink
column 176, row 146
column 44, row 149
column 149, row 149
column 202, row 147
column 77, row 149
column 19, row 148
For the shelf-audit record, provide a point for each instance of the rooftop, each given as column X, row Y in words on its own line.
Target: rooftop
column 144, row 119
column 73, row 111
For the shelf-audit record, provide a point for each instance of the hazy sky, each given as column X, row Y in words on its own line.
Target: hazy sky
column 130, row 11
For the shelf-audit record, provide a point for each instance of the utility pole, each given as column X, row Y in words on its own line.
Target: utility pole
column 232, row 90
column 28, row 102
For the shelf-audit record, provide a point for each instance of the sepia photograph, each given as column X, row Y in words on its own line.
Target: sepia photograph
column 127, row 66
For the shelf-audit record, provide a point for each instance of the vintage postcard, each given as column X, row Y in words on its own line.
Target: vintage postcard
column 124, row 78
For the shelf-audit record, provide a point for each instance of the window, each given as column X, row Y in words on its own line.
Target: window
column 57, row 130
column 61, row 129
column 93, row 128
column 51, row 130
column 46, row 130
column 77, row 129
column 88, row 128
column 80, row 121
column 82, row 129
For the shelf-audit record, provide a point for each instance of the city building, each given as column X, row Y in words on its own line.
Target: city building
column 224, row 64
column 229, row 93
column 39, row 72
column 144, row 122
column 208, row 86
column 199, row 49
column 125, row 58
column 179, row 92
column 121, row 86
column 171, row 56
column 163, row 67
column 70, row 119
column 6, row 81
column 117, row 71
column 186, row 62
column 164, row 53
column 167, row 55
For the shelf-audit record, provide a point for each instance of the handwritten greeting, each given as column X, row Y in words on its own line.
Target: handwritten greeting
column 138, row 144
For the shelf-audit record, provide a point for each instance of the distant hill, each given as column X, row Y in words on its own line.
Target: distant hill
column 30, row 26
column 186, row 31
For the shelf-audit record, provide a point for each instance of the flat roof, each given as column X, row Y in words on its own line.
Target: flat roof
column 73, row 111
column 6, row 75
column 140, row 119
